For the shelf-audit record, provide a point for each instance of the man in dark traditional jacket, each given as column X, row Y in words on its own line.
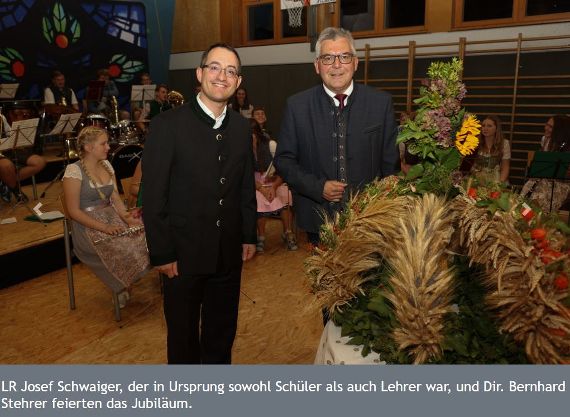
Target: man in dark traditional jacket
column 335, row 137
column 200, row 211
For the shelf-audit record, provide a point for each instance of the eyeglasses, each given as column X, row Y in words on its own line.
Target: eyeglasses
column 231, row 72
column 330, row 59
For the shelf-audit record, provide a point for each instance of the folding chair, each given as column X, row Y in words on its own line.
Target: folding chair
column 69, row 265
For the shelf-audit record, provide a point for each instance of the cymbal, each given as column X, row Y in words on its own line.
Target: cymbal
column 143, row 121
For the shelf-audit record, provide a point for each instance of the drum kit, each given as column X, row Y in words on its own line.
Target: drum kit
column 125, row 140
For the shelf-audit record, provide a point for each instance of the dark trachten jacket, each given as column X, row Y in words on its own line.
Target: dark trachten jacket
column 307, row 153
column 199, row 190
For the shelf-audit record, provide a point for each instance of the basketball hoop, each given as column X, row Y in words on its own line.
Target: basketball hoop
column 295, row 11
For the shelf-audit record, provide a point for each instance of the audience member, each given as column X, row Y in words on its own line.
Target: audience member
column 336, row 137
column 240, row 103
column 491, row 161
column 97, row 213
column 261, row 118
column 273, row 196
column 545, row 140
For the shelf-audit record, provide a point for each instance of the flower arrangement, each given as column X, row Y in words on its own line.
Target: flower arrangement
column 429, row 268
column 442, row 131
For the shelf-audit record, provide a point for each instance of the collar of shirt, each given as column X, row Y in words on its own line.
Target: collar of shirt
column 218, row 119
column 348, row 92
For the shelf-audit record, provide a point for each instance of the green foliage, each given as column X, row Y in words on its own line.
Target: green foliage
column 434, row 173
column 502, row 203
column 471, row 335
column 369, row 322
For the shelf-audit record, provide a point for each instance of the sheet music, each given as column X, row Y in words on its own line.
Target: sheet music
column 143, row 92
column 8, row 90
column 65, row 124
column 23, row 134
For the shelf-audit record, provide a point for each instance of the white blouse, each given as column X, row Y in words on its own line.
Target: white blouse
column 74, row 171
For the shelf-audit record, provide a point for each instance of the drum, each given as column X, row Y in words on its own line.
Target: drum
column 20, row 110
column 125, row 133
column 124, row 159
column 94, row 120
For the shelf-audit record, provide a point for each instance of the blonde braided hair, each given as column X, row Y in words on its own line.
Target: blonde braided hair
column 86, row 136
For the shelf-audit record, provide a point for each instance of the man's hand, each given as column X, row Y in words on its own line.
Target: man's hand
column 171, row 269
column 333, row 190
column 248, row 250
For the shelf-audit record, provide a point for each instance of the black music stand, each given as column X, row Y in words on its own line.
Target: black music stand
column 64, row 125
column 22, row 135
column 550, row 166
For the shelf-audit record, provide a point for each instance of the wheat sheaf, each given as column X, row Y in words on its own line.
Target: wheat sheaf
column 526, row 303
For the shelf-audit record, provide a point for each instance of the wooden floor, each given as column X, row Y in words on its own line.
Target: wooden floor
column 37, row 326
column 25, row 234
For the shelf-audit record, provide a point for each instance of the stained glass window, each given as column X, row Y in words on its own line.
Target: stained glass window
column 125, row 21
column 13, row 12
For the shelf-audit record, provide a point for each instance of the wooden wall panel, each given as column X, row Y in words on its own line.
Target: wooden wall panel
column 439, row 15
column 196, row 25
column 230, row 21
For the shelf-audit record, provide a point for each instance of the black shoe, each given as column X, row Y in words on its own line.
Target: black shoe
column 5, row 192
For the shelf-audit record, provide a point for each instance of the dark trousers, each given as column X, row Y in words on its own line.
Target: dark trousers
column 314, row 239
column 201, row 317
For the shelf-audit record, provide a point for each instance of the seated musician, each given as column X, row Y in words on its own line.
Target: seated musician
column 99, row 218
column 549, row 193
column 158, row 105
column 109, row 90
column 137, row 106
column 160, row 102
column 58, row 93
column 28, row 164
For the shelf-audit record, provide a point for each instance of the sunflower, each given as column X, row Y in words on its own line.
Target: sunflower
column 466, row 139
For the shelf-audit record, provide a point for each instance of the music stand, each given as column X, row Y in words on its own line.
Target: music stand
column 550, row 166
column 142, row 93
column 64, row 125
column 8, row 90
column 22, row 135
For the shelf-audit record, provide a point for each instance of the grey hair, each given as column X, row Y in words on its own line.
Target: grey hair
column 332, row 33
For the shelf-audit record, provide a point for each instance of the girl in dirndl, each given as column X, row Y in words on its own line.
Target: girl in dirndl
column 99, row 218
